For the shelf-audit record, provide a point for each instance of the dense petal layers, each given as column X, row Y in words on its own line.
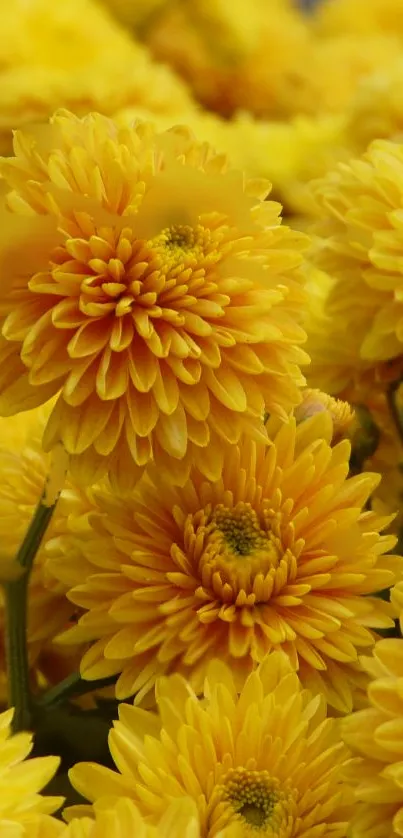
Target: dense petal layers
column 266, row 759
column 122, row 819
column 164, row 314
column 21, row 781
column 360, row 247
column 375, row 735
column 279, row 552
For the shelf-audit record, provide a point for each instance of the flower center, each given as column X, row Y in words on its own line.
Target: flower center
column 180, row 244
column 114, row 274
column 257, row 801
column 237, row 552
column 241, row 529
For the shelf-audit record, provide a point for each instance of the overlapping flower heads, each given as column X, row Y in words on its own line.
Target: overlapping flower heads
column 194, row 518
column 374, row 735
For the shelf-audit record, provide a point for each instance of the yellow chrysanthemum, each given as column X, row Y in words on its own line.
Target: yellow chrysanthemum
column 275, row 553
column 266, row 761
column 375, row 736
column 233, row 53
column 137, row 15
column 361, row 204
column 376, row 110
column 122, row 819
column 156, row 293
column 333, row 353
column 336, row 17
column 24, row 812
column 336, row 66
column 387, row 456
column 74, row 55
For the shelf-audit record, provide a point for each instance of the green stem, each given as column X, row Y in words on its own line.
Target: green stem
column 16, row 620
column 72, row 687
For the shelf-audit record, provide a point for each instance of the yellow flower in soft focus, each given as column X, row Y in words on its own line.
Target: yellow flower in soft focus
column 24, row 811
column 234, row 54
column 297, row 151
column 160, row 300
column 376, row 110
column 122, row 819
column 375, row 736
column 360, row 246
column 275, row 553
column 387, row 458
column 337, row 65
column 75, row 55
column 333, row 353
column 138, row 14
column 336, row 17
column 266, row 760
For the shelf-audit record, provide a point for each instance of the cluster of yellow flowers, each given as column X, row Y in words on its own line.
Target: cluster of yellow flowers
column 201, row 419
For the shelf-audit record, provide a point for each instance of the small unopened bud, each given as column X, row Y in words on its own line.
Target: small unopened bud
column 314, row 401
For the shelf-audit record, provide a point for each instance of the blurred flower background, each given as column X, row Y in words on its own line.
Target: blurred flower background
column 201, row 419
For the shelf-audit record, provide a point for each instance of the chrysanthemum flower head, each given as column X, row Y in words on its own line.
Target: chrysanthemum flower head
column 233, row 54
column 338, row 64
column 375, row 736
column 22, row 806
column 122, row 818
column 333, row 354
column 160, row 303
column 276, row 553
column 136, row 15
column 336, row 17
column 376, row 110
column 386, row 456
column 265, row 760
column 361, row 204
column 75, row 55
